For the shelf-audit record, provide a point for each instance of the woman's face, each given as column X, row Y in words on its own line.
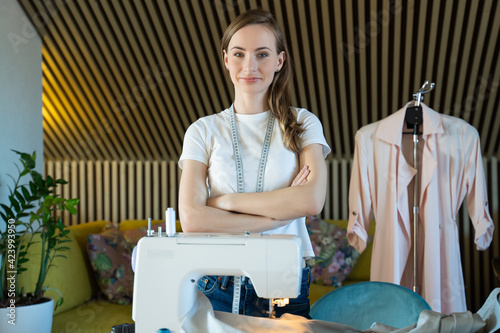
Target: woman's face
column 252, row 59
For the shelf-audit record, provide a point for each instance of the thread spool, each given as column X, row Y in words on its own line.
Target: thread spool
column 170, row 222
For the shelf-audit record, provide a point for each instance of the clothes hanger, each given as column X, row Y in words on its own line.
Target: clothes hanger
column 413, row 116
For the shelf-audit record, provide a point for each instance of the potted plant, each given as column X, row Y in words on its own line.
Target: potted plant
column 30, row 216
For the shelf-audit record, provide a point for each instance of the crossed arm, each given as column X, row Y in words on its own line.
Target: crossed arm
column 254, row 212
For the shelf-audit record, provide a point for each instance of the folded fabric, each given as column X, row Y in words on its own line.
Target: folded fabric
column 202, row 318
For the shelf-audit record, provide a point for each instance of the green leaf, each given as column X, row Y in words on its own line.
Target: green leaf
column 38, row 180
column 14, row 203
column 56, row 200
column 50, row 181
column 28, row 160
column 72, row 202
column 33, row 188
column 19, row 216
column 72, row 210
column 26, row 193
column 7, row 210
column 20, row 198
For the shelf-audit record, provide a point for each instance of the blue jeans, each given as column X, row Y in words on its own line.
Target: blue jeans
column 219, row 290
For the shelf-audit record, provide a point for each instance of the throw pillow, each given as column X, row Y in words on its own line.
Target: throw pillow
column 334, row 257
column 110, row 257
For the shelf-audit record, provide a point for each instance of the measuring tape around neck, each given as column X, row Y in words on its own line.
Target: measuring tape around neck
column 241, row 181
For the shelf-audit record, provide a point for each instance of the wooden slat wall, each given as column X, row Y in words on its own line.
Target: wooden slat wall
column 117, row 191
column 122, row 80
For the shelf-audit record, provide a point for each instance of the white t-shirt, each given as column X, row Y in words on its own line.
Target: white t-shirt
column 208, row 140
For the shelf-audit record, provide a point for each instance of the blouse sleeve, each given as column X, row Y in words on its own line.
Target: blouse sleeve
column 359, row 197
column 477, row 196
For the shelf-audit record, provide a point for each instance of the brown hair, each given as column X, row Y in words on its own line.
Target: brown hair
column 279, row 97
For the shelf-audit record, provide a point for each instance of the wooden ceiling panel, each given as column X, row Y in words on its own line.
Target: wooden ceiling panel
column 124, row 79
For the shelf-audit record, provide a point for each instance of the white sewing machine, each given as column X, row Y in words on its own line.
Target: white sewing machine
column 168, row 268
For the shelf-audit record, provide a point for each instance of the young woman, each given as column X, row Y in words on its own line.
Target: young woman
column 257, row 166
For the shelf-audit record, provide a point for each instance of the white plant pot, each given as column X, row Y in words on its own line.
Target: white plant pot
column 30, row 318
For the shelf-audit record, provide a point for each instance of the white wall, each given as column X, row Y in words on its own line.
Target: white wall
column 21, row 125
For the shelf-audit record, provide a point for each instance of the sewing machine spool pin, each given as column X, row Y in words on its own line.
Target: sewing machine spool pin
column 150, row 232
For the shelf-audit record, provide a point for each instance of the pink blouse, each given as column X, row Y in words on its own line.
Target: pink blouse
column 451, row 168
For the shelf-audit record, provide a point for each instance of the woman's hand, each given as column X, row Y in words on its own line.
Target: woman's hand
column 301, row 177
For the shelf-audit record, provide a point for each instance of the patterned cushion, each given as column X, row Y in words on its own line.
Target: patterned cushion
column 110, row 256
column 334, row 256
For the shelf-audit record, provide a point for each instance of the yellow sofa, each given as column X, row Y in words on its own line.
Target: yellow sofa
column 86, row 310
